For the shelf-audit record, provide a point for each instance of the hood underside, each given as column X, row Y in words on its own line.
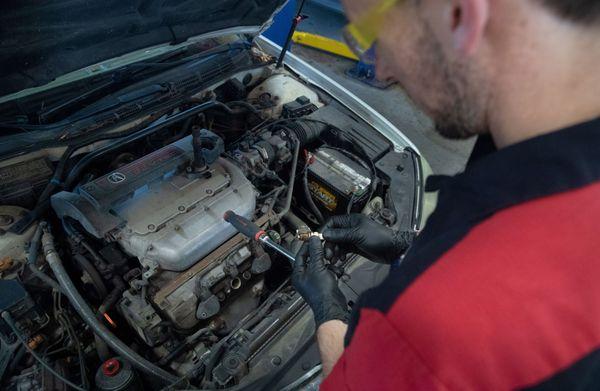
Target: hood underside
column 41, row 41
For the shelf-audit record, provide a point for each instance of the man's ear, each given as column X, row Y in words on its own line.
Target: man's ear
column 469, row 20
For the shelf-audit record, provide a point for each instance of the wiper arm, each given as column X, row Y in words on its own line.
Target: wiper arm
column 116, row 100
column 125, row 74
column 49, row 112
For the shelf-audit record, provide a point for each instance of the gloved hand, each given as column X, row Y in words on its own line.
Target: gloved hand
column 359, row 234
column 317, row 284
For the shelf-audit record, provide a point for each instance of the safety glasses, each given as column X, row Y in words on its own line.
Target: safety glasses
column 360, row 36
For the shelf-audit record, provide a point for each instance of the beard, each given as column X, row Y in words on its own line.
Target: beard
column 455, row 94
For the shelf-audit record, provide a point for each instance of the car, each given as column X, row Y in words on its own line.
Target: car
column 131, row 133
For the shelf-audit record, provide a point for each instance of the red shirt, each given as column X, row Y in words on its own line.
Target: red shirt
column 502, row 289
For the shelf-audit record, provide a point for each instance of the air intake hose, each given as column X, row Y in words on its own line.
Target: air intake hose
column 306, row 131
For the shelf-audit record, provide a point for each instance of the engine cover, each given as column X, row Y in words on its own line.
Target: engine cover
column 158, row 212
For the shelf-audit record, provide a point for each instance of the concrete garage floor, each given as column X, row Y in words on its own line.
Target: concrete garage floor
column 445, row 156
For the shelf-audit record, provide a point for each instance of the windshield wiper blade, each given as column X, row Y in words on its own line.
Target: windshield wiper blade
column 49, row 112
column 116, row 100
column 127, row 74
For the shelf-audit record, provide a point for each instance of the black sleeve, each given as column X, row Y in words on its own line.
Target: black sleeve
column 483, row 146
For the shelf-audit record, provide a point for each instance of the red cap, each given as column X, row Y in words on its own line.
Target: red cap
column 259, row 234
column 111, row 367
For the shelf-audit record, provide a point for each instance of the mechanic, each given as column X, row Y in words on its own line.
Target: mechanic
column 500, row 290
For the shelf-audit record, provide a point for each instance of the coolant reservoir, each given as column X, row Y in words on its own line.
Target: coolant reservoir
column 282, row 89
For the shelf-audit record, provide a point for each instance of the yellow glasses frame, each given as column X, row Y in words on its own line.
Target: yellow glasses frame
column 362, row 34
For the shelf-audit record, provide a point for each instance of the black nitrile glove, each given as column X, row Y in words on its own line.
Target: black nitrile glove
column 317, row 284
column 359, row 234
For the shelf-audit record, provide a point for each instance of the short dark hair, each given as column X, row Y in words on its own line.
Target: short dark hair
column 576, row 10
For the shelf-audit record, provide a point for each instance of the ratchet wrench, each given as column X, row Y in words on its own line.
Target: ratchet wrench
column 253, row 231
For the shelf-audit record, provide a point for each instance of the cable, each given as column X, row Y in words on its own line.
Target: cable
column 9, row 320
column 351, row 203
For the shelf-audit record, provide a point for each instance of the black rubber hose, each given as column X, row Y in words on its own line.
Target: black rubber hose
column 113, row 296
column 243, row 104
column 34, row 247
column 306, row 132
column 292, row 219
column 288, row 197
column 311, row 203
column 90, row 318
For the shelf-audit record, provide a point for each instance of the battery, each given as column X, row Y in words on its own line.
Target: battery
column 335, row 179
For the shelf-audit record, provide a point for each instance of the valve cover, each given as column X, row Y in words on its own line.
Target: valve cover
column 157, row 211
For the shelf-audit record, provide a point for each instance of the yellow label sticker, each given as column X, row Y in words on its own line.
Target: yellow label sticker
column 328, row 199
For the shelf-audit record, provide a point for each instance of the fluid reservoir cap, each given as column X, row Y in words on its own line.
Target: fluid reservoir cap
column 111, row 367
column 116, row 374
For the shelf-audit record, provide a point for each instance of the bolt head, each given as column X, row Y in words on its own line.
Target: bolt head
column 276, row 360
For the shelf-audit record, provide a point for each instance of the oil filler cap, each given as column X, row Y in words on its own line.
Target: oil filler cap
column 111, row 367
column 116, row 374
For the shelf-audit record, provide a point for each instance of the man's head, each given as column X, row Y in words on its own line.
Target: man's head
column 452, row 56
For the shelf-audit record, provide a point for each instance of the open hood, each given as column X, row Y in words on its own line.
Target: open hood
column 40, row 41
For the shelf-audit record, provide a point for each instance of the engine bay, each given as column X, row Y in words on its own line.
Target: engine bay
column 137, row 223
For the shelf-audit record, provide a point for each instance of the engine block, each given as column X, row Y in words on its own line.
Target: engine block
column 159, row 212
